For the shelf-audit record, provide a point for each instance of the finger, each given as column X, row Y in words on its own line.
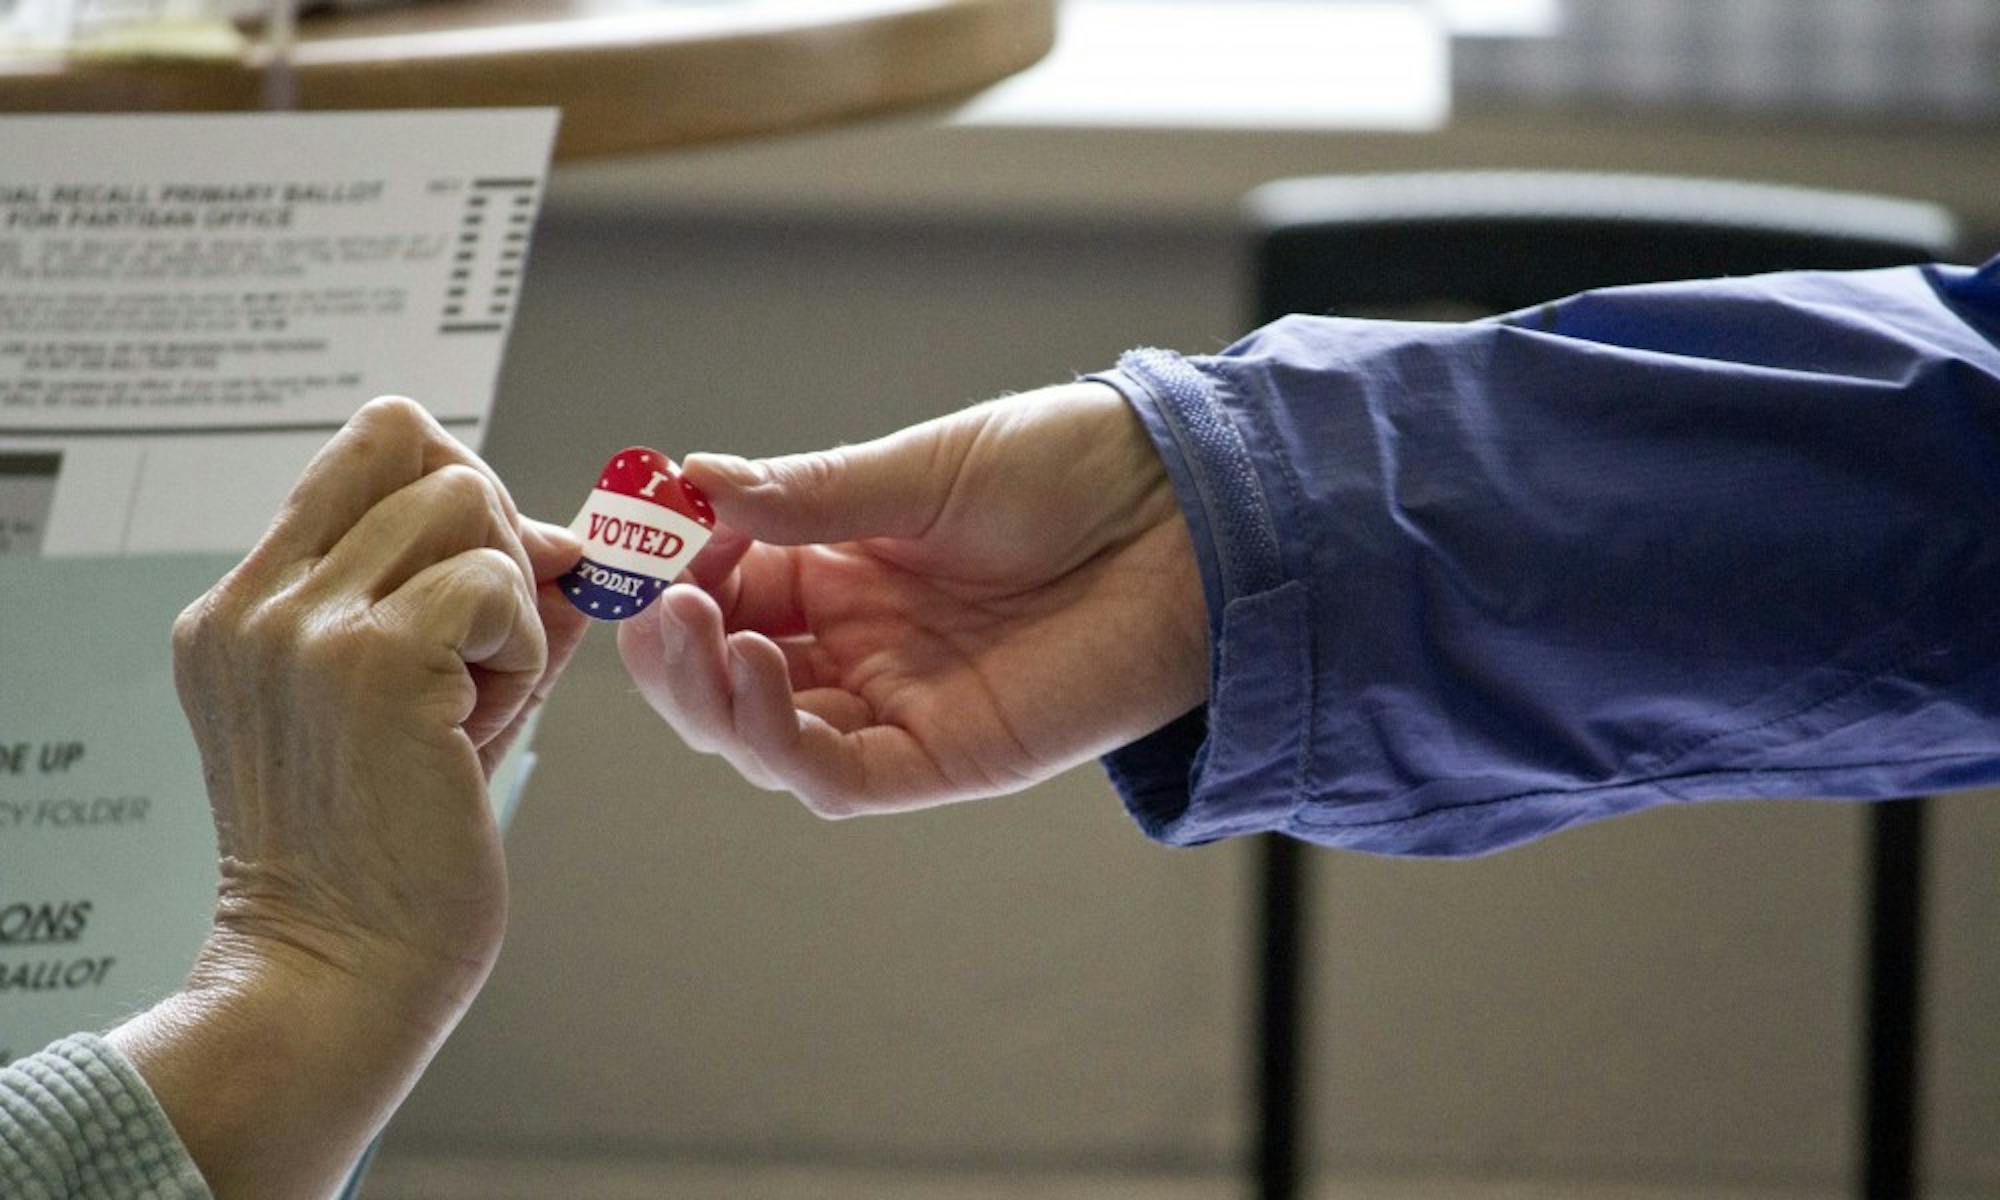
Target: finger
column 552, row 549
column 388, row 444
column 763, row 714
column 838, row 707
column 835, row 773
column 713, row 562
column 760, row 591
column 476, row 606
column 808, row 663
column 891, row 487
column 450, row 510
column 676, row 657
column 563, row 628
column 763, row 593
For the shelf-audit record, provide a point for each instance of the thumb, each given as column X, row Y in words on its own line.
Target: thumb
column 890, row 487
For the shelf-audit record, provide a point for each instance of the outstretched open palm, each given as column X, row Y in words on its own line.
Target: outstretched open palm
column 957, row 610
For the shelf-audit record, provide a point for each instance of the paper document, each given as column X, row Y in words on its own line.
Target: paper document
column 189, row 307
column 193, row 301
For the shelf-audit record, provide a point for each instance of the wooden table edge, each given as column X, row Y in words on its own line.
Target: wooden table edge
column 625, row 83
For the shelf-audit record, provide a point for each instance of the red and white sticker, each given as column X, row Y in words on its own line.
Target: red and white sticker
column 640, row 527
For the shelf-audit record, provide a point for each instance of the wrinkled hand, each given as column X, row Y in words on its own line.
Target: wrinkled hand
column 351, row 686
column 955, row 611
column 353, row 683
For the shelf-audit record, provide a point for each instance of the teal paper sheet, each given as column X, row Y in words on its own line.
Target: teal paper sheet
column 107, row 854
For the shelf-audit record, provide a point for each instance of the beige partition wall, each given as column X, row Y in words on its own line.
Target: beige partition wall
column 1667, row 998
column 702, row 971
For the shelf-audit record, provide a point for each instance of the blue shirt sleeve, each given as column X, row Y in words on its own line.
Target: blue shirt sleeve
column 1471, row 584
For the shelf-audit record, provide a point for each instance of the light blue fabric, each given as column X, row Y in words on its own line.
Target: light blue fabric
column 1470, row 584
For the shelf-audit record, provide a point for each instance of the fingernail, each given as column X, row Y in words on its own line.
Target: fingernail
column 733, row 470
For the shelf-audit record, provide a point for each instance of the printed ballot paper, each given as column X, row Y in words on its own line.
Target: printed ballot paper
column 189, row 307
column 190, row 299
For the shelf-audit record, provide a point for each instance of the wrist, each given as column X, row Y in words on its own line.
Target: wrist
column 1156, row 515
column 423, row 974
column 277, row 1068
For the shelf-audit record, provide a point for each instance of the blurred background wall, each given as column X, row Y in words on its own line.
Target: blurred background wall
column 707, row 992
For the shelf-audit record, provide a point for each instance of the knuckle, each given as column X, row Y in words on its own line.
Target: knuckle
column 327, row 650
column 238, row 590
column 486, row 568
column 809, row 473
column 195, row 639
column 457, row 504
column 192, row 625
column 464, row 490
column 245, row 617
column 266, row 631
column 482, row 577
column 384, row 427
column 392, row 414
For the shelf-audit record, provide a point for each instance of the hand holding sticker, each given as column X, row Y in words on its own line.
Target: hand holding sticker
column 640, row 527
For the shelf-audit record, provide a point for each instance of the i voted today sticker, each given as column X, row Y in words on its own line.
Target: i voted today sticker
column 640, row 527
